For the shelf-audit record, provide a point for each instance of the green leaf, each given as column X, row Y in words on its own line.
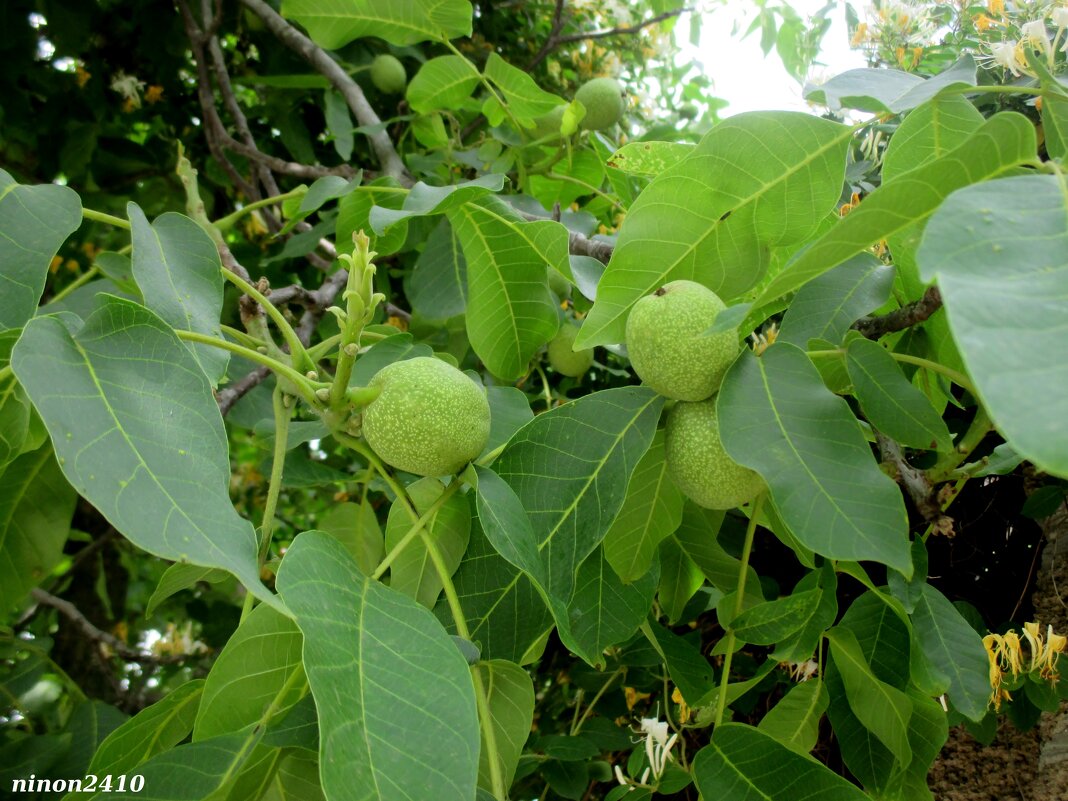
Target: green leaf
column 178, row 577
column 745, row 764
column 234, row 696
column 355, row 526
column 604, row 611
column 999, row 252
column 1055, row 125
column 339, row 123
column 510, row 310
column 444, row 82
column 437, row 287
column 828, row 305
column 354, row 215
column 510, row 702
column 177, row 267
column 771, row 621
column 36, row 504
column 504, row 610
column 890, row 401
column 680, row 579
column 423, row 199
column 15, row 412
column 953, row 651
column 778, row 418
column 399, row 22
column 190, row 772
column 297, row 779
column 384, row 673
column 714, row 217
column 298, row 728
column 929, row 132
column 795, row 720
column 570, row 467
column 799, row 647
column 139, row 435
column 687, row 666
column 887, row 90
column 412, row 572
column 651, row 511
column 697, row 537
column 524, row 98
column 151, row 731
column 509, row 412
column 1003, row 142
column 883, row 709
column 35, row 221
column 90, row 723
column 26, row 756
column 649, row 158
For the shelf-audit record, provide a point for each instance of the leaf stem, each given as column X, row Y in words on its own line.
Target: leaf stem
column 296, row 347
column 979, row 428
column 299, row 381
column 81, row 280
column 274, row 485
column 577, row 727
column 99, row 216
column 417, row 528
column 500, row 792
column 956, row 377
column 227, row 222
column 743, row 571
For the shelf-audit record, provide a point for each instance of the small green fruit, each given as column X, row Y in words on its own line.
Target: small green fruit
column 388, row 75
column 548, row 124
column 699, row 464
column 603, row 101
column 667, row 346
column 559, row 285
column 563, row 358
column 430, row 418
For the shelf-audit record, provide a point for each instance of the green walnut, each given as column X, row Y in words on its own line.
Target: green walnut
column 667, row 343
column 563, row 358
column 697, row 461
column 603, row 100
column 430, row 419
column 388, row 75
column 549, row 124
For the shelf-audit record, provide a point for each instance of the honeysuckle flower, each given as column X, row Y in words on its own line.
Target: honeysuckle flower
column 996, row 7
column 1007, row 55
column 1060, row 17
column 1034, row 33
column 129, row 87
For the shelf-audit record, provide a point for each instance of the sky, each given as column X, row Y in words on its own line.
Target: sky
column 741, row 73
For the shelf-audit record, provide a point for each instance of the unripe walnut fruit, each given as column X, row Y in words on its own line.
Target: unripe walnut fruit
column 667, row 344
column 697, row 461
column 603, row 100
column 430, row 419
column 563, row 358
column 388, row 75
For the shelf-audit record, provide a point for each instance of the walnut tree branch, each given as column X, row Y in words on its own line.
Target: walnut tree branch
column 915, row 483
column 900, row 319
column 391, row 162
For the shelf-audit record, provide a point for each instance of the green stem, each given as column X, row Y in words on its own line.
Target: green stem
column 296, row 347
column 500, row 791
column 81, row 280
column 227, row 222
column 980, row 427
column 489, row 88
column 242, row 337
column 274, row 485
column 372, row 458
column 578, row 182
column 743, row 571
column 577, row 727
column 489, row 457
column 956, row 377
column 546, row 390
column 5, row 372
column 417, row 528
column 99, row 216
column 299, row 381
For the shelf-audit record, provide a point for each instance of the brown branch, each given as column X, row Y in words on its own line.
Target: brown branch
column 900, row 319
column 551, row 41
column 915, row 482
column 391, row 162
column 577, row 244
column 121, row 649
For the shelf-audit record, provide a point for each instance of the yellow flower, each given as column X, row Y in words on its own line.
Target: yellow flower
column 685, row 713
column 56, row 262
column 860, row 35
column 154, row 94
column 984, row 23
column 633, row 697
column 996, row 7
column 82, row 76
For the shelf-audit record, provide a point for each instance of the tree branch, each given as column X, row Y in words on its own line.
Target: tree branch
column 577, row 244
column 915, row 483
column 121, row 649
column 900, row 319
column 551, row 41
column 365, row 115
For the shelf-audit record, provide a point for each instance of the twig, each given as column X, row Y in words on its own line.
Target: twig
column 555, row 39
column 900, row 319
column 577, row 244
column 391, row 162
column 915, row 483
column 72, row 613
